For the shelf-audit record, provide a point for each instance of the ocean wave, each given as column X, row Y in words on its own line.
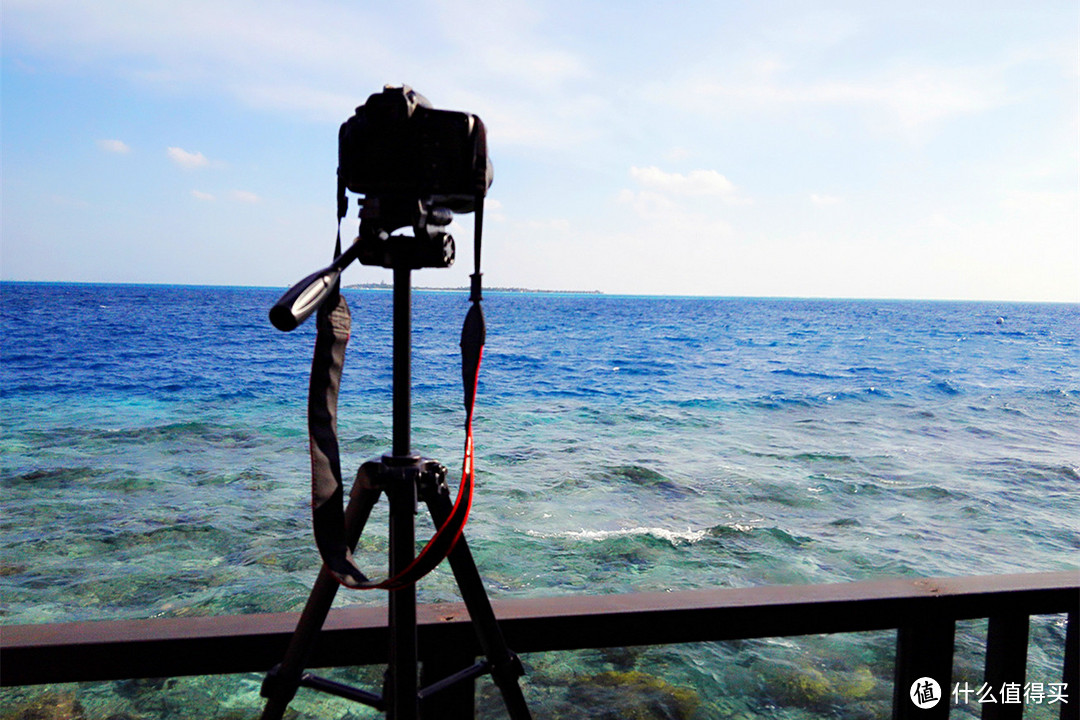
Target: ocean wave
column 1060, row 393
column 197, row 431
column 779, row 400
column 946, row 388
column 51, row 478
column 804, row 374
column 675, row 537
column 741, row 529
column 822, row 457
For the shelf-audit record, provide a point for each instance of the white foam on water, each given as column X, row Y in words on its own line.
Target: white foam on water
column 675, row 537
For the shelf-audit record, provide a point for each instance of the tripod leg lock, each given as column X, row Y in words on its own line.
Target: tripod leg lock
column 508, row 668
column 380, row 473
column 432, row 479
column 277, row 686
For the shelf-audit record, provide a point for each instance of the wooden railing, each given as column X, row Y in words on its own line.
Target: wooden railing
column 924, row 612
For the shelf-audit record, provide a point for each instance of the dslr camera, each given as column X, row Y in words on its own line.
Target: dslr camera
column 415, row 166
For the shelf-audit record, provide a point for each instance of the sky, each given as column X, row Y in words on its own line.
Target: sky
column 924, row 150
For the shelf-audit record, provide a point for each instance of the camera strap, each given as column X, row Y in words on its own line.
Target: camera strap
column 333, row 327
column 342, row 211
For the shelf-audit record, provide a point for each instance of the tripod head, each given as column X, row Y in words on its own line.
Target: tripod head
column 429, row 246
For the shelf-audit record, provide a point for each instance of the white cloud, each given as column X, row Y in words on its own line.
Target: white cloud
column 493, row 210
column 919, row 96
column 670, row 218
column 676, row 208
column 648, row 204
column 905, row 99
column 321, row 59
column 199, row 195
column 244, row 196
column 187, row 160
column 694, row 183
column 114, row 146
column 818, row 199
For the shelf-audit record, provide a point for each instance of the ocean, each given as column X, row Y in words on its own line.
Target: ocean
column 154, row 464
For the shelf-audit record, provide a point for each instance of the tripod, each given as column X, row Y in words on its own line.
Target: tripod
column 405, row 478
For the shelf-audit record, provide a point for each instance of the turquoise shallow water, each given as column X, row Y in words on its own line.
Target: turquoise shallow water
column 154, row 464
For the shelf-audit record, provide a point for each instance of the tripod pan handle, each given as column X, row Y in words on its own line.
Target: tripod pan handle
column 303, row 298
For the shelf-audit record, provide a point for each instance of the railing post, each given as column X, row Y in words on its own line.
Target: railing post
column 1006, row 662
column 1070, row 673
column 923, row 650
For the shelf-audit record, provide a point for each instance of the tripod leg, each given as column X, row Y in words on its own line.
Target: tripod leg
column 281, row 683
column 401, row 676
column 505, row 666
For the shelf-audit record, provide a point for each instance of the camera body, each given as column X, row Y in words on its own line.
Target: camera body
column 397, row 145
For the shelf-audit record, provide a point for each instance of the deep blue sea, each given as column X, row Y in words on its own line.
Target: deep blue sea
column 154, row 464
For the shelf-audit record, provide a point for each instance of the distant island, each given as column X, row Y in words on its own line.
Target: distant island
column 390, row 286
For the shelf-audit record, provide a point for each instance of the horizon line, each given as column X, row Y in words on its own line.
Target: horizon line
column 537, row 291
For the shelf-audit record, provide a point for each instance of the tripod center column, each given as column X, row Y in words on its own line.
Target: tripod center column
column 402, row 494
column 402, row 362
